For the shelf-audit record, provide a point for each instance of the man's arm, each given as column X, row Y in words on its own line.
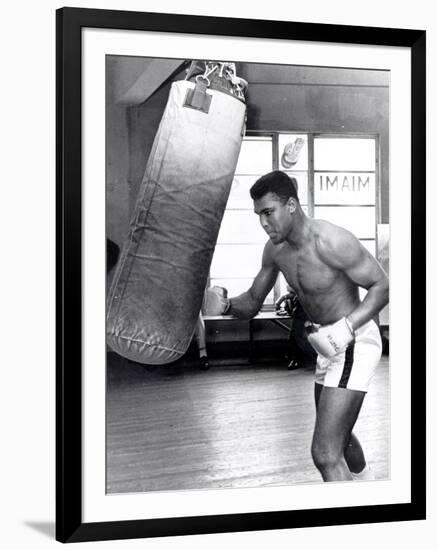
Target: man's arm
column 247, row 305
column 343, row 251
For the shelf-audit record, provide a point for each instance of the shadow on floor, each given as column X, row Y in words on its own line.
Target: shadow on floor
column 46, row 528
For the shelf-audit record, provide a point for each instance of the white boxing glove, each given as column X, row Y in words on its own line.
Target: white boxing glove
column 330, row 340
column 216, row 301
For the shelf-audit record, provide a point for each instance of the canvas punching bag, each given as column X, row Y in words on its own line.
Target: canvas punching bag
column 157, row 290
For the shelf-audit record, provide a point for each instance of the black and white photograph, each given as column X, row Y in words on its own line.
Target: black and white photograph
column 240, row 269
column 247, row 235
column 218, row 299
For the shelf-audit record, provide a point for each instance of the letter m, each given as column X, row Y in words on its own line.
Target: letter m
column 363, row 184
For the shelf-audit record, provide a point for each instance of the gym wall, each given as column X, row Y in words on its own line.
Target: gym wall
column 286, row 99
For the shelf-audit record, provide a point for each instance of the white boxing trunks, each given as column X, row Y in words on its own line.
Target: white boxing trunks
column 354, row 368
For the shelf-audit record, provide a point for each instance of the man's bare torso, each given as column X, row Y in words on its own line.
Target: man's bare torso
column 326, row 293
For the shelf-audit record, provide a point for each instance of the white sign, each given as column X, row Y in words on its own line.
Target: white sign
column 344, row 188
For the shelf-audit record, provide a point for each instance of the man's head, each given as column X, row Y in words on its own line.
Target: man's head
column 276, row 202
column 276, row 182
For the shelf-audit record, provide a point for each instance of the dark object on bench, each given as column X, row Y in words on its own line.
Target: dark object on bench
column 302, row 354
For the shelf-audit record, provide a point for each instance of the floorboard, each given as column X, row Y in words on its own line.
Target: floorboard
column 181, row 428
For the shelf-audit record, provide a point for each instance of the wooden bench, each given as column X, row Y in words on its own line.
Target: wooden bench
column 271, row 316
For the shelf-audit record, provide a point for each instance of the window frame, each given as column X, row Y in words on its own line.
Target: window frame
column 311, row 172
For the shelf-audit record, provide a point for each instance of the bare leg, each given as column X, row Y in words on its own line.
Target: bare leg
column 337, row 412
column 354, row 455
column 201, row 342
column 353, row 452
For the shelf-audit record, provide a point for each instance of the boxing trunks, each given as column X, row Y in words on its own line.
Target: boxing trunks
column 354, row 368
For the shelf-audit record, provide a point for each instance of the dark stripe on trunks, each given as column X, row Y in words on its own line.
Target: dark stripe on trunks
column 348, row 363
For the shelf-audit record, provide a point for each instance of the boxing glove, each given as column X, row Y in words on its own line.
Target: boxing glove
column 216, row 301
column 330, row 340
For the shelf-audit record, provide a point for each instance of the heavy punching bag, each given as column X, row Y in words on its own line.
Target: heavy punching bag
column 157, row 289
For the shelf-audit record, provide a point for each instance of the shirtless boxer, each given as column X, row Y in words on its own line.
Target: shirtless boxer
column 325, row 265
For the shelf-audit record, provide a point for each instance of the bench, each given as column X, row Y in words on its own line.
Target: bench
column 272, row 316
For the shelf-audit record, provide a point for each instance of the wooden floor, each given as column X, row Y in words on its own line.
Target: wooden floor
column 174, row 428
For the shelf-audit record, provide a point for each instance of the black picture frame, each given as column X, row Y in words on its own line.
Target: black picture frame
column 69, row 524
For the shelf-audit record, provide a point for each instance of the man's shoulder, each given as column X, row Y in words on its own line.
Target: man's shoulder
column 270, row 249
column 273, row 251
column 331, row 238
column 327, row 231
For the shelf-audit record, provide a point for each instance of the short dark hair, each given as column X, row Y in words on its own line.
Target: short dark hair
column 275, row 182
